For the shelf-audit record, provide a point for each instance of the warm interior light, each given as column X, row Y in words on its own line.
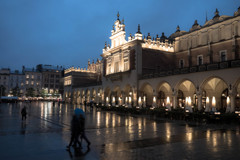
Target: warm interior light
column 139, row 100
column 213, row 102
column 168, row 100
column 154, row 99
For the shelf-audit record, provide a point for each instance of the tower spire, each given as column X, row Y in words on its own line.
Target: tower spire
column 118, row 16
column 105, row 47
column 139, row 29
column 178, row 28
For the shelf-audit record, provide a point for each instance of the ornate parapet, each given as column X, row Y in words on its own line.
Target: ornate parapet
column 162, row 46
column 72, row 69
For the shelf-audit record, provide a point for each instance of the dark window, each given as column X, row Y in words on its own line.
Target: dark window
column 46, row 85
column 223, row 56
column 200, row 60
column 52, row 75
column 51, row 86
column 181, row 63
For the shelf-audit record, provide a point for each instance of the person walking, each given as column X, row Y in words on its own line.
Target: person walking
column 24, row 113
column 82, row 128
column 75, row 131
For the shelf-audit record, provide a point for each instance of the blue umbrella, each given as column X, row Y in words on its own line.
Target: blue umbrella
column 78, row 112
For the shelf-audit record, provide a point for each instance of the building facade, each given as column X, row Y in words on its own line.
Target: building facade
column 4, row 81
column 195, row 70
column 16, row 83
column 44, row 80
column 33, row 82
column 51, row 78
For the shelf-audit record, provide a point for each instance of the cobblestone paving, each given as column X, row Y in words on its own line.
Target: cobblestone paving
column 114, row 136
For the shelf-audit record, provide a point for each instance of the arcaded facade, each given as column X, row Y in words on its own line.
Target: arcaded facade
column 197, row 69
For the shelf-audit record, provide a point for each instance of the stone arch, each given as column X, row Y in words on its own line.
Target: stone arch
column 88, row 93
column 78, row 97
column 107, row 94
column 186, row 88
column 215, row 87
column 117, row 94
column 146, row 91
column 94, row 94
column 163, row 91
column 236, row 88
column 127, row 94
column 83, row 98
column 99, row 95
column 127, row 89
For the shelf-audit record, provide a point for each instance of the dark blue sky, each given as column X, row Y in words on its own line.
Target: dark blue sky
column 69, row 32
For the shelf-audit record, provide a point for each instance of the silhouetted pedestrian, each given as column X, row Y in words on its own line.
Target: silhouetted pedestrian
column 82, row 128
column 75, row 131
column 24, row 113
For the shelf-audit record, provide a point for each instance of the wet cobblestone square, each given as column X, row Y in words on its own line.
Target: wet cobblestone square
column 46, row 132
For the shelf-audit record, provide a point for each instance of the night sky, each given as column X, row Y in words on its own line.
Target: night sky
column 69, row 32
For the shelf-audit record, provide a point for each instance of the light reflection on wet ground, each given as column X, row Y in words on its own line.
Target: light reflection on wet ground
column 114, row 136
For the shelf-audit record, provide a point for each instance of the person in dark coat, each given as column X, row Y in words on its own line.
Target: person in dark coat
column 24, row 113
column 75, row 132
column 82, row 128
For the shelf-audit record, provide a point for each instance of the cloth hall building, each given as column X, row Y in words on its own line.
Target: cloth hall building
column 197, row 69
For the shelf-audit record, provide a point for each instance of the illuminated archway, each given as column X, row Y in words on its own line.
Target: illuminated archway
column 127, row 95
column 186, row 88
column 237, row 97
column 217, row 88
column 107, row 94
column 147, row 93
column 99, row 95
column 88, row 95
column 163, row 91
column 94, row 94
column 116, row 94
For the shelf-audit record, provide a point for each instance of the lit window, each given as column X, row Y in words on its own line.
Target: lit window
column 27, row 82
column 32, row 76
column 32, row 82
column 199, row 60
column 223, row 56
column 27, row 76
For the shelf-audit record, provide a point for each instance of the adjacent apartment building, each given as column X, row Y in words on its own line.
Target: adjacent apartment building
column 44, row 80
